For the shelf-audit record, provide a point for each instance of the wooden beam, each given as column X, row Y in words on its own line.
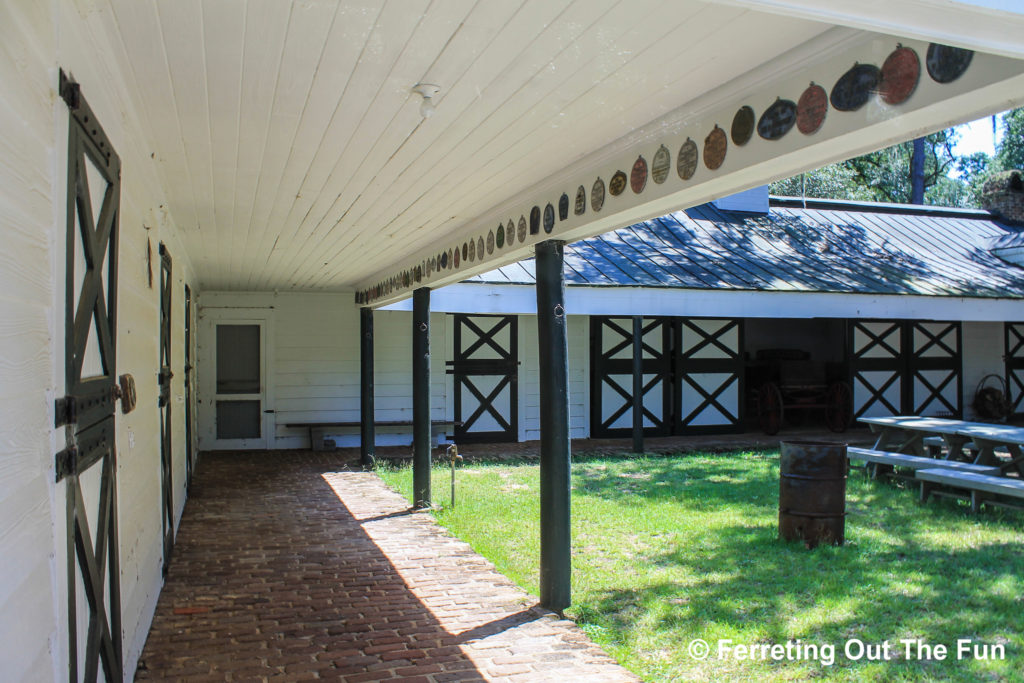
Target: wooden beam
column 367, row 433
column 638, row 384
column 555, row 457
column 421, row 397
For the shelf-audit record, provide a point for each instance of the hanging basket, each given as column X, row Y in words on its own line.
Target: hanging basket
column 990, row 401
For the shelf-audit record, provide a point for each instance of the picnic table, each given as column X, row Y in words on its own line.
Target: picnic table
column 908, row 433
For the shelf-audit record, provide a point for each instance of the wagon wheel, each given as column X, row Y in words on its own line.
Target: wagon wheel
column 769, row 408
column 839, row 406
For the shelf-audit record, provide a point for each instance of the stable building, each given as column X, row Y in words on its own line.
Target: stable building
column 205, row 206
column 910, row 306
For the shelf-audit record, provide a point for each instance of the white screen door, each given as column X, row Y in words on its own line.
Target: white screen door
column 235, row 402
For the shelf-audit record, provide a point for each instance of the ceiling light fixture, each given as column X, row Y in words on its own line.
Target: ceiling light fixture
column 428, row 91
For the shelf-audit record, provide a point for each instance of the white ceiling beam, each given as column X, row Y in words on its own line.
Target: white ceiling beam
column 993, row 26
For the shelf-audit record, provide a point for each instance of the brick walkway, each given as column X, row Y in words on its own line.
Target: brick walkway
column 292, row 566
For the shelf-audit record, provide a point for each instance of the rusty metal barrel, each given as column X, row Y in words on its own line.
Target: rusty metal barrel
column 812, row 492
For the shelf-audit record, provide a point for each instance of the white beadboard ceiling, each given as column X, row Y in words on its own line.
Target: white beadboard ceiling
column 292, row 149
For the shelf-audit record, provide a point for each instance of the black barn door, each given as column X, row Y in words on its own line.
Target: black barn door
column 611, row 376
column 709, row 376
column 486, row 378
column 1013, row 356
column 164, row 403
column 88, row 464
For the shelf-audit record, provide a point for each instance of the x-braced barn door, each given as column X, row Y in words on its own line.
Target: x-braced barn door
column 1014, row 358
column 88, row 464
column 905, row 367
column 189, row 455
column 709, row 375
column 486, row 378
column 164, row 403
column 611, row 376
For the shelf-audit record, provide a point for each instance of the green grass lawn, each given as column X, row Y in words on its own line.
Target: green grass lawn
column 667, row 550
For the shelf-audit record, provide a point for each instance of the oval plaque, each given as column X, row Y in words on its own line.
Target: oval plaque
column 445, row 260
column 946, row 64
column 900, row 74
column 742, row 126
column 811, row 109
column 715, row 146
column 451, row 261
column 456, row 258
column 510, row 232
column 419, row 273
column 480, row 248
column 660, row 165
column 777, row 120
column 638, row 176
column 499, row 236
column 597, row 195
column 686, row 164
column 563, row 207
column 472, row 251
column 617, row 184
column 581, row 201
column 549, row 218
column 490, row 242
column 465, row 252
column 853, row 89
column 521, row 229
column 535, row 220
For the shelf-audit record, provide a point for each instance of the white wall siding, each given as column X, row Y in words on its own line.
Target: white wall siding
column 578, row 331
column 37, row 37
column 982, row 355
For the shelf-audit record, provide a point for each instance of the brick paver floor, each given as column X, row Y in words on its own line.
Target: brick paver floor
column 295, row 566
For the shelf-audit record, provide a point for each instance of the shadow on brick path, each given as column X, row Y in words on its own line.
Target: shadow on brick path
column 293, row 566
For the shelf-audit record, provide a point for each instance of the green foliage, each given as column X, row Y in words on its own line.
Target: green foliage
column 1010, row 154
column 666, row 550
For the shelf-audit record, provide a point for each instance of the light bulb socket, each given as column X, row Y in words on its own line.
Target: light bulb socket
column 427, row 91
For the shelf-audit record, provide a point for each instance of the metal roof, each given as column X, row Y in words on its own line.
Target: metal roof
column 800, row 245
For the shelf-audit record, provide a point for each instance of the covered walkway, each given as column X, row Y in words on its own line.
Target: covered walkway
column 296, row 566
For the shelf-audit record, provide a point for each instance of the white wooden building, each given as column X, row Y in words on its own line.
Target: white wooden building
column 274, row 157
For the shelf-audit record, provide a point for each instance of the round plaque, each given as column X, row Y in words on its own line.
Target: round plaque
column 853, row 89
column 563, row 207
column 946, row 64
column 535, row 220
column 549, row 218
column 480, row 247
column 490, row 242
column 715, row 146
column 777, row 120
column 451, row 261
column 419, row 273
column 521, row 229
column 686, row 163
column 499, row 236
column 617, row 184
column 456, row 258
column 444, row 260
column 742, row 126
column 638, row 176
column 811, row 109
column 597, row 195
column 472, row 251
column 660, row 165
column 581, row 201
column 510, row 232
column 900, row 73
column 465, row 253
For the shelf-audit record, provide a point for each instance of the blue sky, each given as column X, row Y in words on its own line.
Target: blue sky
column 976, row 136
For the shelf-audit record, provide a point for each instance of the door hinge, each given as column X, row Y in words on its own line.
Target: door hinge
column 65, row 411
column 65, row 462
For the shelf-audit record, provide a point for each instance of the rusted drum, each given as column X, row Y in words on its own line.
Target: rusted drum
column 812, row 492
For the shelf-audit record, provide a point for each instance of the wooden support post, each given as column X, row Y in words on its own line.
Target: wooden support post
column 555, row 485
column 638, row 384
column 421, row 397
column 367, row 432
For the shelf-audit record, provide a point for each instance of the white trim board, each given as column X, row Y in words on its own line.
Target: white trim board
column 521, row 299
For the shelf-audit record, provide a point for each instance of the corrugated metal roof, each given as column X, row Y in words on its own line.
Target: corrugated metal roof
column 825, row 246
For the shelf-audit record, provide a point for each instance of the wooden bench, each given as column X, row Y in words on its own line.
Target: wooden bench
column 915, row 462
column 319, row 430
column 973, row 482
column 934, row 445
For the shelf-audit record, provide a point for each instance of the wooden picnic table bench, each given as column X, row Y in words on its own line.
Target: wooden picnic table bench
column 975, row 484
column 915, row 462
column 319, row 430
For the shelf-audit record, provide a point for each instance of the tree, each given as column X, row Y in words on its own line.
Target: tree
column 1010, row 153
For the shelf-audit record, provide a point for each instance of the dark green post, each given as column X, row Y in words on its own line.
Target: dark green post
column 555, row 564
column 421, row 397
column 367, row 433
column 638, row 384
